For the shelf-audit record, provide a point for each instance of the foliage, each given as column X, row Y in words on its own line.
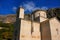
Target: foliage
column 54, row 12
column 7, row 32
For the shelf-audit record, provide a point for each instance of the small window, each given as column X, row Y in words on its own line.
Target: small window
column 57, row 31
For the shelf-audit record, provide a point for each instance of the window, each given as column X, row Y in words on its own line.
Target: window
column 57, row 31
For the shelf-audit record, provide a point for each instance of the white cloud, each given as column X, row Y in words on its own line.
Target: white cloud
column 44, row 8
column 14, row 8
column 30, row 6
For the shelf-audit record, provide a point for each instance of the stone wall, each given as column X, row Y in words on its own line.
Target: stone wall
column 55, row 29
column 26, row 28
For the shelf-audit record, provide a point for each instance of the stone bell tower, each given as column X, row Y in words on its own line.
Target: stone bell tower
column 21, row 13
column 19, row 16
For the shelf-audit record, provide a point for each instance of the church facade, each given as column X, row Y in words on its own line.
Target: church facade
column 36, row 26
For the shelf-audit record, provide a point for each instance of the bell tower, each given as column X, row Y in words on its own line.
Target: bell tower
column 19, row 17
column 21, row 12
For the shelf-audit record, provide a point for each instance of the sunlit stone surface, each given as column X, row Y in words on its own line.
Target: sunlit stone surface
column 55, row 29
column 25, row 32
column 21, row 13
column 36, row 31
column 36, row 36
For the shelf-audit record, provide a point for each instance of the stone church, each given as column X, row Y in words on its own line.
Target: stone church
column 36, row 26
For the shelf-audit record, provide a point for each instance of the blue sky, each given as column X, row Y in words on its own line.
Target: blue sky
column 10, row 6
